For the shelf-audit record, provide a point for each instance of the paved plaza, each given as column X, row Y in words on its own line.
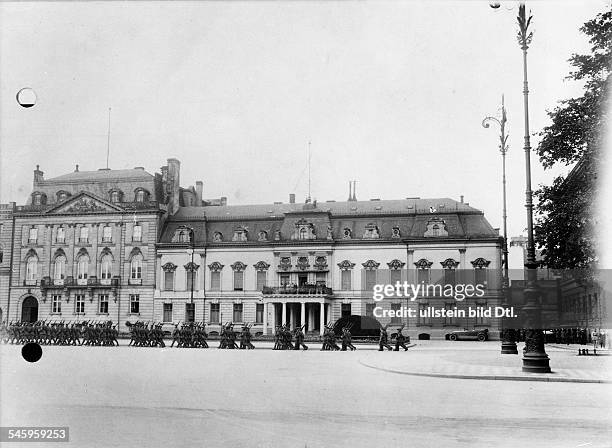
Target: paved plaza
column 126, row 396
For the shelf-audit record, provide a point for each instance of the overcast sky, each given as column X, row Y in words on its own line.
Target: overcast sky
column 391, row 94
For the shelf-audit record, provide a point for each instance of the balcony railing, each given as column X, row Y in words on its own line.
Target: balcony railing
column 307, row 289
column 71, row 282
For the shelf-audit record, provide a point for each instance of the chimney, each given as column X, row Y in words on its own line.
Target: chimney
column 76, row 169
column 350, row 198
column 354, row 189
column 173, row 185
column 462, row 199
column 199, row 191
column 292, row 198
column 223, row 200
column 38, row 175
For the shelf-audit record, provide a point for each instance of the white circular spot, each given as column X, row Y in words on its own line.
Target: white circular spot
column 26, row 97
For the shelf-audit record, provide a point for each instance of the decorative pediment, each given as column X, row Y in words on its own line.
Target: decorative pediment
column 347, row 234
column 370, row 264
column 240, row 233
column 84, row 203
column 371, row 231
column 304, row 230
column 396, row 233
column 239, row 266
column 449, row 263
column 320, row 262
column 169, row 267
column 480, row 263
column 215, row 266
column 261, row 266
column 396, row 264
column 285, row 263
column 423, row 264
column 262, row 235
column 217, row 237
column 302, row 263
column 182, row 235
column 436, row 227
column 192, row 267
column 345, row 265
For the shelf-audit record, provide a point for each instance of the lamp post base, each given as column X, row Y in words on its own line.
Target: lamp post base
column 509, row 348
column 536, row 362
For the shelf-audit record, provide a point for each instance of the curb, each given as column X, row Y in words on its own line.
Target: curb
column 489, row 377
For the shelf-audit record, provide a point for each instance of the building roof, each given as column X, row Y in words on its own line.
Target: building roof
column 102, row 175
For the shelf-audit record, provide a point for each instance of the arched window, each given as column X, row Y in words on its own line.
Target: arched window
column 435, row 230
column 82, row 268
column 106, row 267
column 62, row 195
column 140, row 196
column 59, row 268
column 31, row 269
column 136, row 267
column 183, row 237
column 115, row 196
column 303, row 233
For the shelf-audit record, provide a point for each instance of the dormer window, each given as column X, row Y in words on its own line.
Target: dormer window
column 395, row 233
column 240, row 234
column 217, row 237
column 115, row 196
column 371, row 232
column 304, row 230
column 263, row 236
column 39, row 198
column 140, row 195
column 62, row 195
column 346, row 234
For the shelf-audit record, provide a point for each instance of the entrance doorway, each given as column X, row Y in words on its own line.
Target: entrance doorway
column 29, row 310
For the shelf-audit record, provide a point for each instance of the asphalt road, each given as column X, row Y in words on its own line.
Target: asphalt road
column 150, row 397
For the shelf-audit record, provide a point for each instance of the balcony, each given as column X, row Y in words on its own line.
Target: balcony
column 306, row 289
column 71, row 282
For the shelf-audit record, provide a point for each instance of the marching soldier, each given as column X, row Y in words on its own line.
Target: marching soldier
column 383, row 340
column 299, row 338
column 245, row 338
column 400, row 340
column 347, row 337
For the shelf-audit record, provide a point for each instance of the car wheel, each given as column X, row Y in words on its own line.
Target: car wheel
column 453, row 337
column 481, row 337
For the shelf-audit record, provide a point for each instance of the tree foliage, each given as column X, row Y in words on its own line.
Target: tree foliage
column 564, row 211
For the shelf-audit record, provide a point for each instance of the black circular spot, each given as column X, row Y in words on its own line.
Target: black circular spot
column 31, row 352
column 26, row 97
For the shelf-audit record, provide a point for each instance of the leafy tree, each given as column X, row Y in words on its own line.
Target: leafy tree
column 564, row 210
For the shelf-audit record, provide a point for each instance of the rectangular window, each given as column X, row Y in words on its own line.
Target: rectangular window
column 346, row 280
column 56, row 304
column 189, row 312
column 449, row 277
column 395, row 319
column 107, row 232
column 238, row 282
column 395, row 276
column 346, row 310
column 103, row 304
column 370, row 309
column 370, row 279
column 191, row 281
column 449, row 320
column 480, row 276
column 60, row 237
column 84, row 235
column 167, row 317
column 215, row 281
column 261, row 280
column 137, row 235
column 134, row 303
column 423, row 276
column 259, row 312
column 169, row 281
column 284, row 279
column 79, row 304
column 214, row 313
column 237, row 312
column 33, row 236
column 321, row 278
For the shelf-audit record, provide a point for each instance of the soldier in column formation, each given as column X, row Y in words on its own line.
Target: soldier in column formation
column 245, row 337
column 283, row 338
column 383, row 340
column 60, row 333
column 400, row 339
column 228, row 336
column 298, row 334
column 146, row 334
column 329, row 339
column 347, row 337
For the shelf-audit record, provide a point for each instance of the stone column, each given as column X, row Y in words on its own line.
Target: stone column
column 303, row 314
column 292, row 316
column 284, row 316
column 265, row 318
column 322, row 326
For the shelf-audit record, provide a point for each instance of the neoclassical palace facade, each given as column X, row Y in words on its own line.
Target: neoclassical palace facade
column 310, row 264
column 127, row 245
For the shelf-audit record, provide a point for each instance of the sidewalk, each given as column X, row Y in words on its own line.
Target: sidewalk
column 484, row 362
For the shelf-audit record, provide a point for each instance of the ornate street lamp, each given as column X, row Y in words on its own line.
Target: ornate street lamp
column 507, row 334
column 535, row 359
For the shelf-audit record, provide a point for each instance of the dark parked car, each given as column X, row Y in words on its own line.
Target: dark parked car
column 476, row 334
